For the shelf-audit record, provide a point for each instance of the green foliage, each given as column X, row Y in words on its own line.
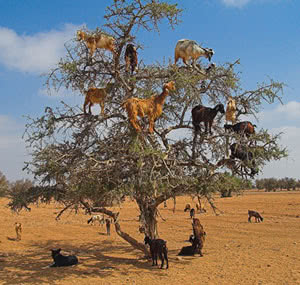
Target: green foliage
column 92, row 160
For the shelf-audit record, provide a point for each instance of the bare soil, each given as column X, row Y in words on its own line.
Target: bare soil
column 235, row 252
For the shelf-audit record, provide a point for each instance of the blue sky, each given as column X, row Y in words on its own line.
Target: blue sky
column 264, row 34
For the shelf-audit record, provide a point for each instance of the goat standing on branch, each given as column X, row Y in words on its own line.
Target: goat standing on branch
column 131, row 58
column 96, row 96
column 98, row 41
column 188, row 49
column 152, row 107
column 230, row 110
column 245, row 127
column 206, row 115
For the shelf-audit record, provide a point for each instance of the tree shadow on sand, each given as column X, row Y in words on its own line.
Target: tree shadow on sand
column 95, row 261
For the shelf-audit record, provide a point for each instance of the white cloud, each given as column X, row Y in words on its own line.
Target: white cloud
column 12, row 148
column 33, row 53
column 236, row 3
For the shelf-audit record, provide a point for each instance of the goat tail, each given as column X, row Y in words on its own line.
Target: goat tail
column 89, row 220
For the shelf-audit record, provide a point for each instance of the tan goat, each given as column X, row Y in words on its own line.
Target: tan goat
column 98, row 41
column 151, row 107
column 18, row 228
column 96, row 96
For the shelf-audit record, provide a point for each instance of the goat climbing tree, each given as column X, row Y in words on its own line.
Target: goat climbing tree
column 89, row 161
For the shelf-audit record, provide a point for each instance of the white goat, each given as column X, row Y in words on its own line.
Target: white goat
column 188, row 49
column 98, row 218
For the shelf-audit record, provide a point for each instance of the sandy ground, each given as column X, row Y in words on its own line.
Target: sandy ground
column 235, row 252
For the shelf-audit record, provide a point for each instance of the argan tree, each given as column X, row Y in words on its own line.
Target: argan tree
column 91, row 161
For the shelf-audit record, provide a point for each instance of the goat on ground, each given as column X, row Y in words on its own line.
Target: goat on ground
column 95, row 218
column 97, row 41
column 187, row 207
column 188, row 49
column 256, row 215
column 151, row 107
column 206, row 115
column 199, row 236
column 61, row 260
column 96, row 96
column 192, row 213
column 188, row 250
column 245, row 154
column 158, row 247
column 244, row 127
column 107, row 222
column 131, row 58
column 18, row 228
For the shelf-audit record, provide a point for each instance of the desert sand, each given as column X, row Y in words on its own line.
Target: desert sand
column 235, row 252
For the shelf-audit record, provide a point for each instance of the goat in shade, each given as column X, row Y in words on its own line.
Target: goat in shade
column 158, row 247
column 206, row 115
column 61, row 260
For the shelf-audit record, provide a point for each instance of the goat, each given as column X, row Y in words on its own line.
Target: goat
column 256, row 215
column 244, row 154
column 187, row 207
column 96, row 96
column 98, row 41
column 206, row 115
column 158, row 247
column 131, row 58
column 95, row 218
column 152, row 107
column 245, row 127
column 192, row 213
column 18, row 228
column 188, row 49
column 61, row 260
column 199, row 236
column 230, row 110
column 107, row 222
column 188, row 250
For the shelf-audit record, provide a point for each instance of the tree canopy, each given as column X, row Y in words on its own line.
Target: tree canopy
column 93, row 161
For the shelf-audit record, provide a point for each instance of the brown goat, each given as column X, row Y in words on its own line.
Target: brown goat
column 245, row 127
column 131, row 58
column 206, row 115
column 96, row 96
column 256, row 215
column 152, row 107
column 199, row 236
column 98, row 41
column 18, row 228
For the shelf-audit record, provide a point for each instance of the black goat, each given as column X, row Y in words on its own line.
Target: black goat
column 189, row 250
column 192, row 213
column 245, row 154
column 131, row 58
column 158, row 247
column 61, row 260
column 206, row 115
column 245, row 127
column 187, row 207
column 256, row 215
